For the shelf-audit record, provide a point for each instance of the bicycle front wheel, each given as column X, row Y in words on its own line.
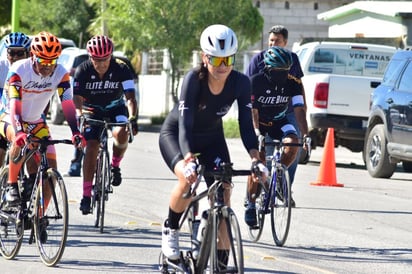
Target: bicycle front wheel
column 51, row 217
column 256, row 231
column 103, row 181
column 11, row 233
column 281, row 209
column 226, row 253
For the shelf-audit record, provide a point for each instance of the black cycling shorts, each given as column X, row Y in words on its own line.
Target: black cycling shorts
column 115, row 115
column 211, row 147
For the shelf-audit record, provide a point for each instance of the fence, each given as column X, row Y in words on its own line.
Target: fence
column 154, row 81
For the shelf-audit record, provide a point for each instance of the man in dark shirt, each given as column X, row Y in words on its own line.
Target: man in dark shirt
column 100, row 87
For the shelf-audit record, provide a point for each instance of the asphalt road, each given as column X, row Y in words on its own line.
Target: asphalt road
column 363, row 227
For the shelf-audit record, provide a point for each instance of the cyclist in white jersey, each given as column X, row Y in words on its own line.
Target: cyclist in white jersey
column 30, row 85
column 18, row 47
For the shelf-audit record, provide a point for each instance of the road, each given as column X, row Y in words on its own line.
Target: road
column 363, row 227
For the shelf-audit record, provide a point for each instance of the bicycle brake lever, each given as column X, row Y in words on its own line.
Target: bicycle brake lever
column 192, row 190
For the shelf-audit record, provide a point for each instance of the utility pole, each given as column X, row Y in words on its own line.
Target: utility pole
column 15, row 15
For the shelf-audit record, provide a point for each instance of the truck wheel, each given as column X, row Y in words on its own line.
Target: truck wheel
column 56, row 113
column 376, row 155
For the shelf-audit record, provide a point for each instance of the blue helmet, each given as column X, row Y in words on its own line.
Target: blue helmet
column 17, row 39
column 278, row 58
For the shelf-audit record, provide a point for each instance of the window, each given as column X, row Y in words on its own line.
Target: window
column 392, row 72
column 405, row 84
column 349, row 62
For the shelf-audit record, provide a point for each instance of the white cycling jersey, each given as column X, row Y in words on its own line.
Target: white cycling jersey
column 35, row 91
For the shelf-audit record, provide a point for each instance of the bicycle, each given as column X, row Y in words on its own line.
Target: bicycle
column 202, row 255
column 275, row 197
column 46, row 218
column 102, row 179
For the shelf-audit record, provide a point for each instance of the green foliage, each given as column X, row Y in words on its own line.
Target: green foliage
column 231, row 128
column 158, row 120
column 57, row 17
column 5, row 11
column 140, row 25
column 175, row 25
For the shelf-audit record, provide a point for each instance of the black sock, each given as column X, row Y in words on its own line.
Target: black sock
column 174, row 218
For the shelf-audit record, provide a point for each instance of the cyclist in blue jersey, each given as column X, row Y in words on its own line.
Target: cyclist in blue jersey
column 194, row 128
column 100, row 87
column 278, row 36
column 272, row 92
column 18, row 47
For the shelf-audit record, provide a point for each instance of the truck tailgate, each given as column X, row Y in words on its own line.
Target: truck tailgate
column 349, row 95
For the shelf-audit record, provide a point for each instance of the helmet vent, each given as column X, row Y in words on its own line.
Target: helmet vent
column 222, row 44
column 210, row 42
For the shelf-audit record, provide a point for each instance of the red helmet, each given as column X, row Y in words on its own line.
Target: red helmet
column 100, row 46
column 46, row 45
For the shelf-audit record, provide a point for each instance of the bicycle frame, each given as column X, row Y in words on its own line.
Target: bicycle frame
column 275, row 197
column 102, row 180
column 33, row 212
column 218, row 213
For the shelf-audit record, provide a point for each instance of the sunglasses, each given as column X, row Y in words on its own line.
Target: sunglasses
column 18, row 53
column 217, row 61
column 46, row 62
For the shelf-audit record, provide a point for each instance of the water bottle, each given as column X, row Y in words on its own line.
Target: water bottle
column 200, row 234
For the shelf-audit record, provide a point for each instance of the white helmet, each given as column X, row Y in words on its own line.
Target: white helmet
column 219, row 41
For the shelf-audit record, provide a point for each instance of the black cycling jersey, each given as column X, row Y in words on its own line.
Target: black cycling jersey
column 103, row 94
column 195, row 124
column 271, row 98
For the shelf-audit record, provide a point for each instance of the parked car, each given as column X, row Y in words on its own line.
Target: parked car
column 72, row 57
column 388, row 139
column 337, row 84
column 63, row 41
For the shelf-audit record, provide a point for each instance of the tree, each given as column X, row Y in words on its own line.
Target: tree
column 57, row 17
column 5, row 11
column 175, row 26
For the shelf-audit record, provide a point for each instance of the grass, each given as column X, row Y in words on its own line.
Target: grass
column 231, row 128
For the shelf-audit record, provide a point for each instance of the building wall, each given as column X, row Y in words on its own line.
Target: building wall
column 298, row 16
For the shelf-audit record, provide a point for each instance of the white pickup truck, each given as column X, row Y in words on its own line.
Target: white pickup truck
column 338, row 81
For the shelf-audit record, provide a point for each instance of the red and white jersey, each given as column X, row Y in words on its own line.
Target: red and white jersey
column 35, row 91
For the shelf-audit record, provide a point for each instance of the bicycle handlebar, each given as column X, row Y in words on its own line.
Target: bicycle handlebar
column 108, row 125
column 224, row 172
column 42, row 142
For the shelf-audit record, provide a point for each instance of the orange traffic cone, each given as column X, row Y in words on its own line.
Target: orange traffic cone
column 327, row 172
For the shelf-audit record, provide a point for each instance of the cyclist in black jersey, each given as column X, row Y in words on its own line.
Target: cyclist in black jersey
column 278, row 36
column 101, row 86
column 194, row 129
column 272, row 90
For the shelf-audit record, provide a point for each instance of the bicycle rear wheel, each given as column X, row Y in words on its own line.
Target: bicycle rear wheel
column 11, row 234
column 281, row 209
column 51, row 217
column 226, row 254
column 256, row 231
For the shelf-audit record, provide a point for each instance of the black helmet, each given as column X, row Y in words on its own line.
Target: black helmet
column 278, row 58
